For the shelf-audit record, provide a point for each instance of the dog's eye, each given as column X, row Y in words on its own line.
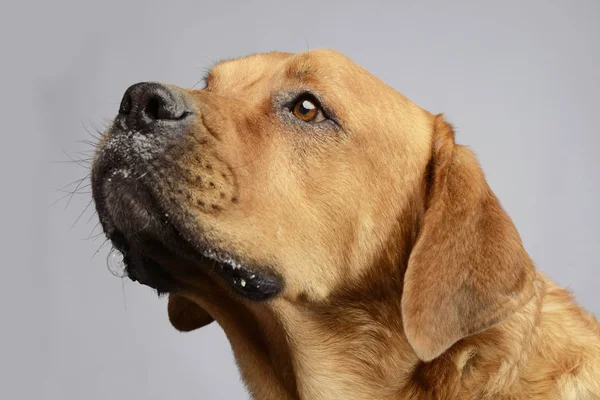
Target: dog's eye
column 308, row 109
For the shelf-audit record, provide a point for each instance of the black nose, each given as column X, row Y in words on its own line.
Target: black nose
column 145, row 104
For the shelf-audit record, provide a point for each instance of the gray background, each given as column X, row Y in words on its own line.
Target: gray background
column 519, row 80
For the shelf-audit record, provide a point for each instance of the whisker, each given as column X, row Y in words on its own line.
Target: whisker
column 96, row 135
column 85, row 163
column 96, row 128
column 87, row 154
column 83, row 187
column 94, row 214
column 87, row 142
column 100, row 248
column 78, row 187
column 92, row 232
column 60, row 199
column 74, row 182
column 81, row 162
column 76, row 190
column 104, row 124
column 107, row 121
column 71, row 193
column 80, row 215
column 94, row 237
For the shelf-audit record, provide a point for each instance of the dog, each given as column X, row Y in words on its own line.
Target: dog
column 347, row 246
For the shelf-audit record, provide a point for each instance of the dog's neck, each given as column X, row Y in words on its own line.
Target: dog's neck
column 346, row 350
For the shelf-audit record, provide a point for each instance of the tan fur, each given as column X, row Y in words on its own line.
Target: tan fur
column 404, row 277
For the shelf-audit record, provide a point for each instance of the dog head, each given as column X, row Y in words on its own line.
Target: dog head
column 295, row 177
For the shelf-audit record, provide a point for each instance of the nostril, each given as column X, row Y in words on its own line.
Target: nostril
column 163, row 106
column 153, row 108
column 125, row 106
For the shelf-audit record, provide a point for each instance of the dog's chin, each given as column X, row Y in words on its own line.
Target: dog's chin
column 156, row 253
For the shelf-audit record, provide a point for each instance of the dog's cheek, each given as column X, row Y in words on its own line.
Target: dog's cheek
column 185, row 315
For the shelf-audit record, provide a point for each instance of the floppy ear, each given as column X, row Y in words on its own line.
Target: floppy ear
column 185, row 315
column 468, row 269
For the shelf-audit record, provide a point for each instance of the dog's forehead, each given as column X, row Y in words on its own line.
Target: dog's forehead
column 361, row 100
column 248, row 68
column 308, row 66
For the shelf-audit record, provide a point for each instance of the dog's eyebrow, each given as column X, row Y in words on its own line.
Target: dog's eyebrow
column 301, row 69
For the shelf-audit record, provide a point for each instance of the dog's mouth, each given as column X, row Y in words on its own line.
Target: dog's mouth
column 158, row 266
column 156, row 253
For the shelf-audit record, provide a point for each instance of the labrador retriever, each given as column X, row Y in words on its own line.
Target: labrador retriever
column 347, row 246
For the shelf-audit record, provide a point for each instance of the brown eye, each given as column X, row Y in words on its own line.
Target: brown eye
column 307, row 110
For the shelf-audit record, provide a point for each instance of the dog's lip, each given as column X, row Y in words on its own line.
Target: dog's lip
column 151, row 253
column 154, row 254
column 245, row 280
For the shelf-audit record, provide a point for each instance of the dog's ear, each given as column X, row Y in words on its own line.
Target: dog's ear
column 185, row 315
column 468, row 269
